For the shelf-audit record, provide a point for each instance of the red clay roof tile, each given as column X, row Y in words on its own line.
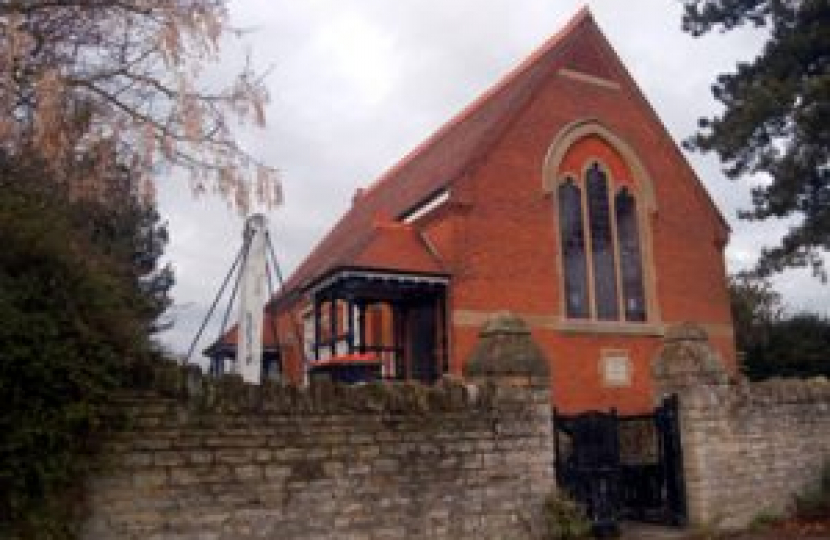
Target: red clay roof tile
column 395, row 246
column 269, row 335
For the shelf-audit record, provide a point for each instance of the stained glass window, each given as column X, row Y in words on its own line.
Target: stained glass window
column 573, row 250
column 631, row 268
column 605, row 240
column 602, row 245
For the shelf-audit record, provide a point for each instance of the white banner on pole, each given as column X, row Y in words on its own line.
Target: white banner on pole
column 252, row 297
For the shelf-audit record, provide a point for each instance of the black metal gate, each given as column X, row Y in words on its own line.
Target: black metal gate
column 623, row 467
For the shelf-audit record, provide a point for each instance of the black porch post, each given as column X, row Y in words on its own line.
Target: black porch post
column 400, row 337
column 361, row 325
column 333, row 324
column 316, row 314
column 444, row 329
column 350, row 323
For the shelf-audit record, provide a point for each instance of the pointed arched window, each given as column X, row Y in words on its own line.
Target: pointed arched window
column 602, row 245
column 601, row 254
column 631, row 266
column 572, row 235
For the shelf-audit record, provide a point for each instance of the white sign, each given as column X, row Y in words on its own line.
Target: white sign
column 616, row 368
column 253, row 293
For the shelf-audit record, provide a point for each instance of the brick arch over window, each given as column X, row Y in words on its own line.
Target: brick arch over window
column 604, row 198
column 592, row 133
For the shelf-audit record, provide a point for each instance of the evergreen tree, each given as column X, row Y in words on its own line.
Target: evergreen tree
column 795, row 346
column 776, row 122
column 69, row 334
column 122, row 225
column 756, row 307
column 80, row 292
column 133, row 234
column 775, row 343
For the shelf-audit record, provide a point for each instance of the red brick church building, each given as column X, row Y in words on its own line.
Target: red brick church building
column 557, row 195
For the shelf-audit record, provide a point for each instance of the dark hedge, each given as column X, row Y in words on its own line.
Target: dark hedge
column 71, row 323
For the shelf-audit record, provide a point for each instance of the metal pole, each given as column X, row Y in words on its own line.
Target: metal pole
column 213, row 305
column 274, row 259
column 245, row 246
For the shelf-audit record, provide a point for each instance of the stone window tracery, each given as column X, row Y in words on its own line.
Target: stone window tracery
column 601, row 248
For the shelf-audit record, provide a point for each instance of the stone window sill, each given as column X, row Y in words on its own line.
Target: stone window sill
column 610, row 328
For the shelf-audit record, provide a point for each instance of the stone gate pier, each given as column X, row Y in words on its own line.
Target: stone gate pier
column 748, row 447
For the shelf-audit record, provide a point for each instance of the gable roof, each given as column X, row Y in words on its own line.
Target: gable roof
column 229, row 340
column 435, row 163
column 394, row 246
column 446, row 155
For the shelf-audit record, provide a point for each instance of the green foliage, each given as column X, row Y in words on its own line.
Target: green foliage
column 72, row 322
column 776, row 121
column 774, row 343
column 814, row 502
column 795, row 346
column 765, row 520
column 565, row 519
column 131, row 233
column 122, row 226
column 756, row 306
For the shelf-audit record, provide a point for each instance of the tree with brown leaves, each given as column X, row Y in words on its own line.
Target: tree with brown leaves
column 117, row 82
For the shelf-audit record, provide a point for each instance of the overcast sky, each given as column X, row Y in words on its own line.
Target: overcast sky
column 355, row 84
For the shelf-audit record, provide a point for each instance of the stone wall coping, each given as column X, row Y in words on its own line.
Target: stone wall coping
column 743, row 393
column 187, row 385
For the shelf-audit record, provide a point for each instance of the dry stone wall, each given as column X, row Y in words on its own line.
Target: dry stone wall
column 397, row 461
column 749, row 447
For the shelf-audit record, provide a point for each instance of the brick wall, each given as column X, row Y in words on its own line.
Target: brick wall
column 234, row 461
column 749, row 447
column 507, row 250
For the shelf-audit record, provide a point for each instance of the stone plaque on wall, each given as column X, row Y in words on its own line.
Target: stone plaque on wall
column 615, row 368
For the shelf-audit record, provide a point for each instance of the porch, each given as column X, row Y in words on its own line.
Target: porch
column 369, row 324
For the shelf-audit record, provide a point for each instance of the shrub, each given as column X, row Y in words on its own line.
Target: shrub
column 68, row 330
column 764, row 520
column 565, row 519
column 814, row 502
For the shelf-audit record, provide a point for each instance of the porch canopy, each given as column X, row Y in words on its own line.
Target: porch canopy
column 394, row 318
